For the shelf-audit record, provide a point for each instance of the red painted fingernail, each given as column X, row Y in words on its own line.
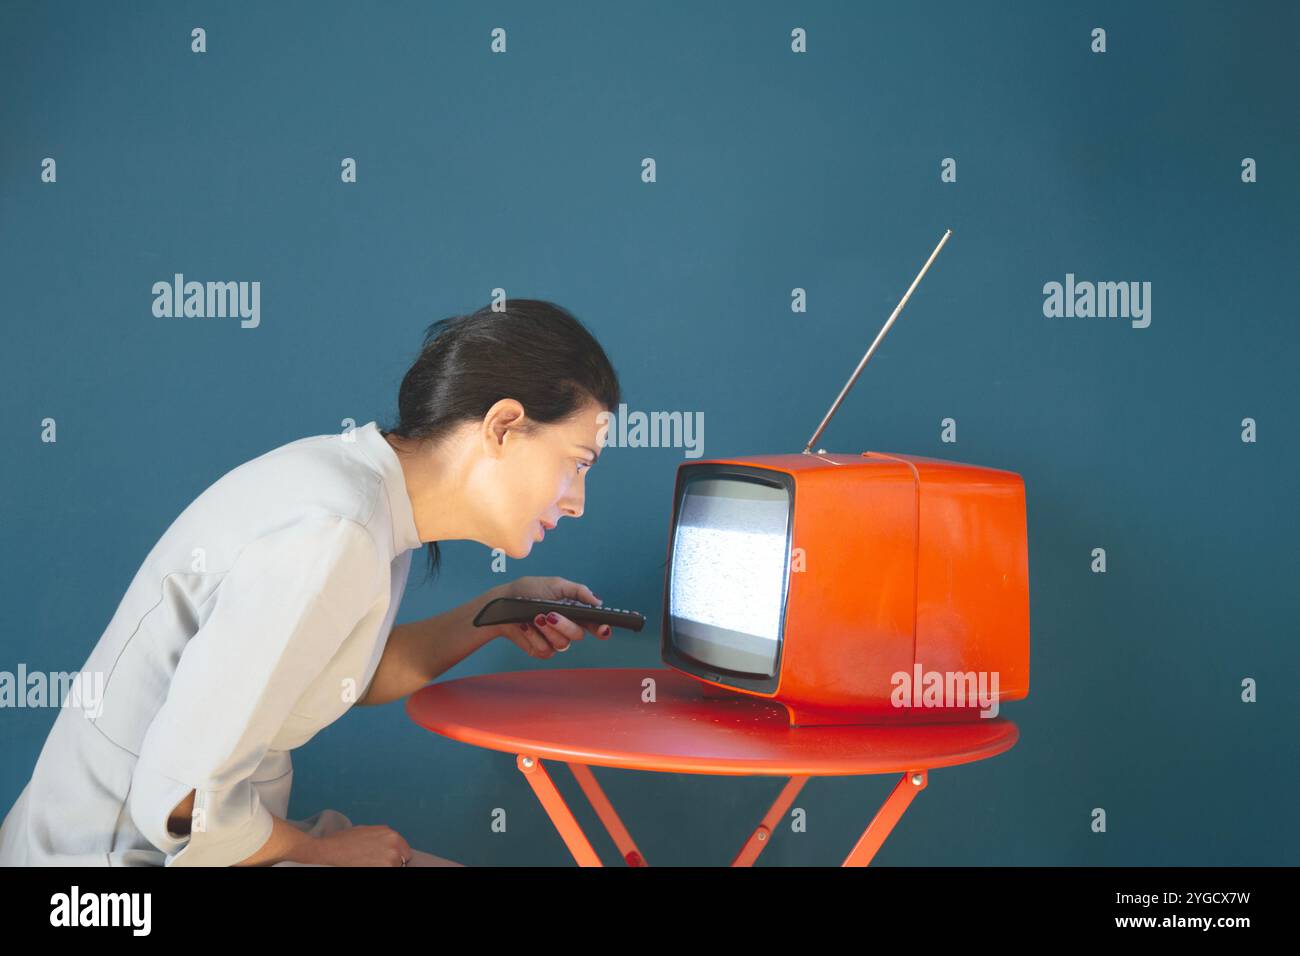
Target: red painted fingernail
column 523, row 627
column 540, row 620
column 605, row 630
column 553, row 617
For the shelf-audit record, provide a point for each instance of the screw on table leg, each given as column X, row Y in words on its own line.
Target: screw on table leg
column 758, row 840
column 549, row 797
column 908, row 786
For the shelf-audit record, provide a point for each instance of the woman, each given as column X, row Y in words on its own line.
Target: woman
column 266, row 609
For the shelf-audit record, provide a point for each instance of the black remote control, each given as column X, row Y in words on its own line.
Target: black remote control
column 511, row 610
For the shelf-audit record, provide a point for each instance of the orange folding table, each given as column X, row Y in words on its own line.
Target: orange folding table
column 645, row 718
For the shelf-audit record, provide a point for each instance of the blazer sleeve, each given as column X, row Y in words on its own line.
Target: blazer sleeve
column 285, row 606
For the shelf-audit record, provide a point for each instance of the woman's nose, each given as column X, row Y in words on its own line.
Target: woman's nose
column 572, row 504
column 574, row 497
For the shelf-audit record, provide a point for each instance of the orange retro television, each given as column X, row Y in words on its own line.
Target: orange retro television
column 851, row 588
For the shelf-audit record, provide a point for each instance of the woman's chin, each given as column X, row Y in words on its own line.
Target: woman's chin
column 521, row 550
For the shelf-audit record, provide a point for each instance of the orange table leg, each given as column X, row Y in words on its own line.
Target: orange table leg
column 912, row 783
column 559, row 812
column 881, row 825
column 758, row 840
column 605, row 810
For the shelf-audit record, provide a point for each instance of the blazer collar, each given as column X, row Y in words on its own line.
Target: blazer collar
column 374, row 446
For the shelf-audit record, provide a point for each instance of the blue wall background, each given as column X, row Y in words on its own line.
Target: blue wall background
column 775, row 171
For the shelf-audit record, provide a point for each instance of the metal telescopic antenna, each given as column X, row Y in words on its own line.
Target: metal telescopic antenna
column 879, row 335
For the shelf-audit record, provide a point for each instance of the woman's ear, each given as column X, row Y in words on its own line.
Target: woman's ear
column 505, row 418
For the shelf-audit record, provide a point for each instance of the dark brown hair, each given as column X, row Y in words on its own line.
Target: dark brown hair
column 533, row 351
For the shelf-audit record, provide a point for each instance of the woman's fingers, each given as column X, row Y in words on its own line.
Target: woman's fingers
column 541, row 638
column 551, row 633
column 529, row 640
column 557, row 629
column 580, row 592
column 398, row 842
column 574, row 591
column 544, row 640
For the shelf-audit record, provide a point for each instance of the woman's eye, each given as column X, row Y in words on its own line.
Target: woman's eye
column 583, row 464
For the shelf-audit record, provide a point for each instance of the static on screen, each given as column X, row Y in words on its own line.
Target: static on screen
column 728, row 575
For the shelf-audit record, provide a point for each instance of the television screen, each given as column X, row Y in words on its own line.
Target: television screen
column 727, row 582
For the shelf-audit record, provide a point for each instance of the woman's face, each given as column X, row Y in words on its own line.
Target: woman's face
column 536, row 478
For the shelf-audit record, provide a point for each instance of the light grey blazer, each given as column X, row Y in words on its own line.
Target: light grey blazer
column 257, row 619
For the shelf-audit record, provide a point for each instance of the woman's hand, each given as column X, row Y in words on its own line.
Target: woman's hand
column 542, row 637
column 359, row 846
